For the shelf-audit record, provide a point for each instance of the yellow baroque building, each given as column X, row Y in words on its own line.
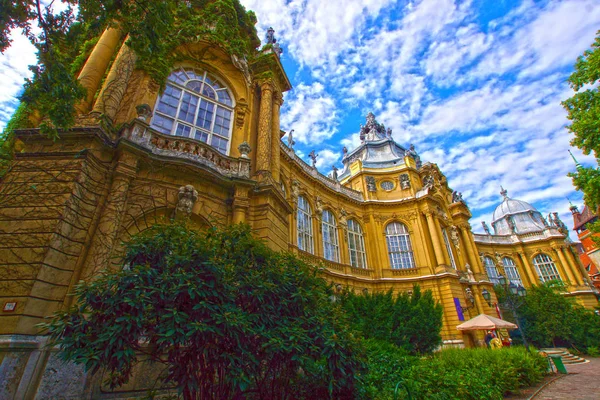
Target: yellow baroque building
column 207, row 146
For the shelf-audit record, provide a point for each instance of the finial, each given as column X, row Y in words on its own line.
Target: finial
column 503, row 192
column 577, row 165
column 573, row 207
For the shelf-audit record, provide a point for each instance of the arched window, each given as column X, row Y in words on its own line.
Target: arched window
column 399, row 248
column 331, row 248
column 356, row 245
column 196, row 105
column 545, row 268
column 491, row 270
column 305, row 235
column 510, row 269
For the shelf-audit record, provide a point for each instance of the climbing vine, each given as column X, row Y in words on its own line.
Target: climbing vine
column 153, row 29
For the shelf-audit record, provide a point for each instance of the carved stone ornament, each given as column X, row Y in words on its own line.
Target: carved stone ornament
column 313, row 156
column 371, row 187
column 319, row 207
column 187, row 197
column 373, row 130
column 470, row 273
column 244, row 149
column 428, row 181
column 404, row 181
column 454, row 237
column 486, row 228
column 457, row 197
column 295, row 190
column 144, row 112
column 241, row 109
column 343, row 219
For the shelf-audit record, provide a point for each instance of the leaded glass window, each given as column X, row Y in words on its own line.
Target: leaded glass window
column 356, row 245
column 331, row 248
column 195, row 105
column 399, row 247
column 510, row 269
column 305, row 232
column 492, row 271
column 545, row 268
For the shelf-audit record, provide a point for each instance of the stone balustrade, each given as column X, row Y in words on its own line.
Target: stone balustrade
column 180, row 147
column 331, row 266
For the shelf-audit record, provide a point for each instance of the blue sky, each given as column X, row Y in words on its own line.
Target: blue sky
column 475, row 85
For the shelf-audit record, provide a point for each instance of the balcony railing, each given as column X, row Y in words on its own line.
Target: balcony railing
column 331, row 265
column 189, row 149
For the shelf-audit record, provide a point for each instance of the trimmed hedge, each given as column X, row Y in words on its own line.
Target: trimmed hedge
column 450, row 374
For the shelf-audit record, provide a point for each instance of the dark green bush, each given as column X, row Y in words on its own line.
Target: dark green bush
column 475, row 373
column 411, row 322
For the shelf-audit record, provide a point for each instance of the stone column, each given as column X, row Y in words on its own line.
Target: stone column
column 265, row 130
column 524, row 274
column 95, row 67
column 275, row 148
column 472, row 257
column 445, row 254
column 240, row 204
column 435, row 239
column 531, row 274
column 577, row 266
column 116, row 82
column 565, row 266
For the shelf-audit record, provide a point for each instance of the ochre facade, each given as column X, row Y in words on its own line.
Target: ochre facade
column 67, row 206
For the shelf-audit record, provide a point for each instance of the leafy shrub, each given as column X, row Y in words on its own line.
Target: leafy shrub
column 411, row 322
column 229, row 317
column 475, row 373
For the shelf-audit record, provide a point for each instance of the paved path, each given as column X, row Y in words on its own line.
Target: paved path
column 582, row 383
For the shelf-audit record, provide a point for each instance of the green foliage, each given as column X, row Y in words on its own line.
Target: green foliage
column 387, row 363
column 552, row 319
column 410, row 322
column 155, row 29
column 583, row 110
column 229, row 317
column 475, row 373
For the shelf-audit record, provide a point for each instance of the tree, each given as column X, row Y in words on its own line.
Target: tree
column 412, row 322
column 583, row 110
column 552, row 319
column 226, row 315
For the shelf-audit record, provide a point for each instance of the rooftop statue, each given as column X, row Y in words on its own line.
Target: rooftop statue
column 313, row 156
column 273, row 41
column 373, row 130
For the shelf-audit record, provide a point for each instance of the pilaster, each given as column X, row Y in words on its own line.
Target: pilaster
column 265, row 130
column 433, row 232
column 275, row 139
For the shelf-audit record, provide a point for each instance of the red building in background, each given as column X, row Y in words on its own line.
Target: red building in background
column 589, row 251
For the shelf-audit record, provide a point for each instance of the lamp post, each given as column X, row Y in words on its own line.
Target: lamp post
column 514, row 298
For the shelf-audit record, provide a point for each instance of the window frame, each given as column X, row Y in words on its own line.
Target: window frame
column 304, row 228
column 193, row 130
column 356, row 237
column 402, row 258
column 546, row 263
column 510, row 266
column 331, row 248
column 491, row 267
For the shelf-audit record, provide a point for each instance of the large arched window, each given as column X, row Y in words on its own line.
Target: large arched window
column 491, row 270
column 545, row 268
column 305, row 235
column 399, row 248
column 195, row 104
column 510, row 269
column 331, row 248
column 356, row 245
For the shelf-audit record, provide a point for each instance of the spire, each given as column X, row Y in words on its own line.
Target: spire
column 573, row 207
column 577, row 165
column 504, row 192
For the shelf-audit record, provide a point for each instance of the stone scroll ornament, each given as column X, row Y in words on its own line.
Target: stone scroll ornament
column 186, row 198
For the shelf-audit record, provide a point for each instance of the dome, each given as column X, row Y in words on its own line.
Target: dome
column 516, row 216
